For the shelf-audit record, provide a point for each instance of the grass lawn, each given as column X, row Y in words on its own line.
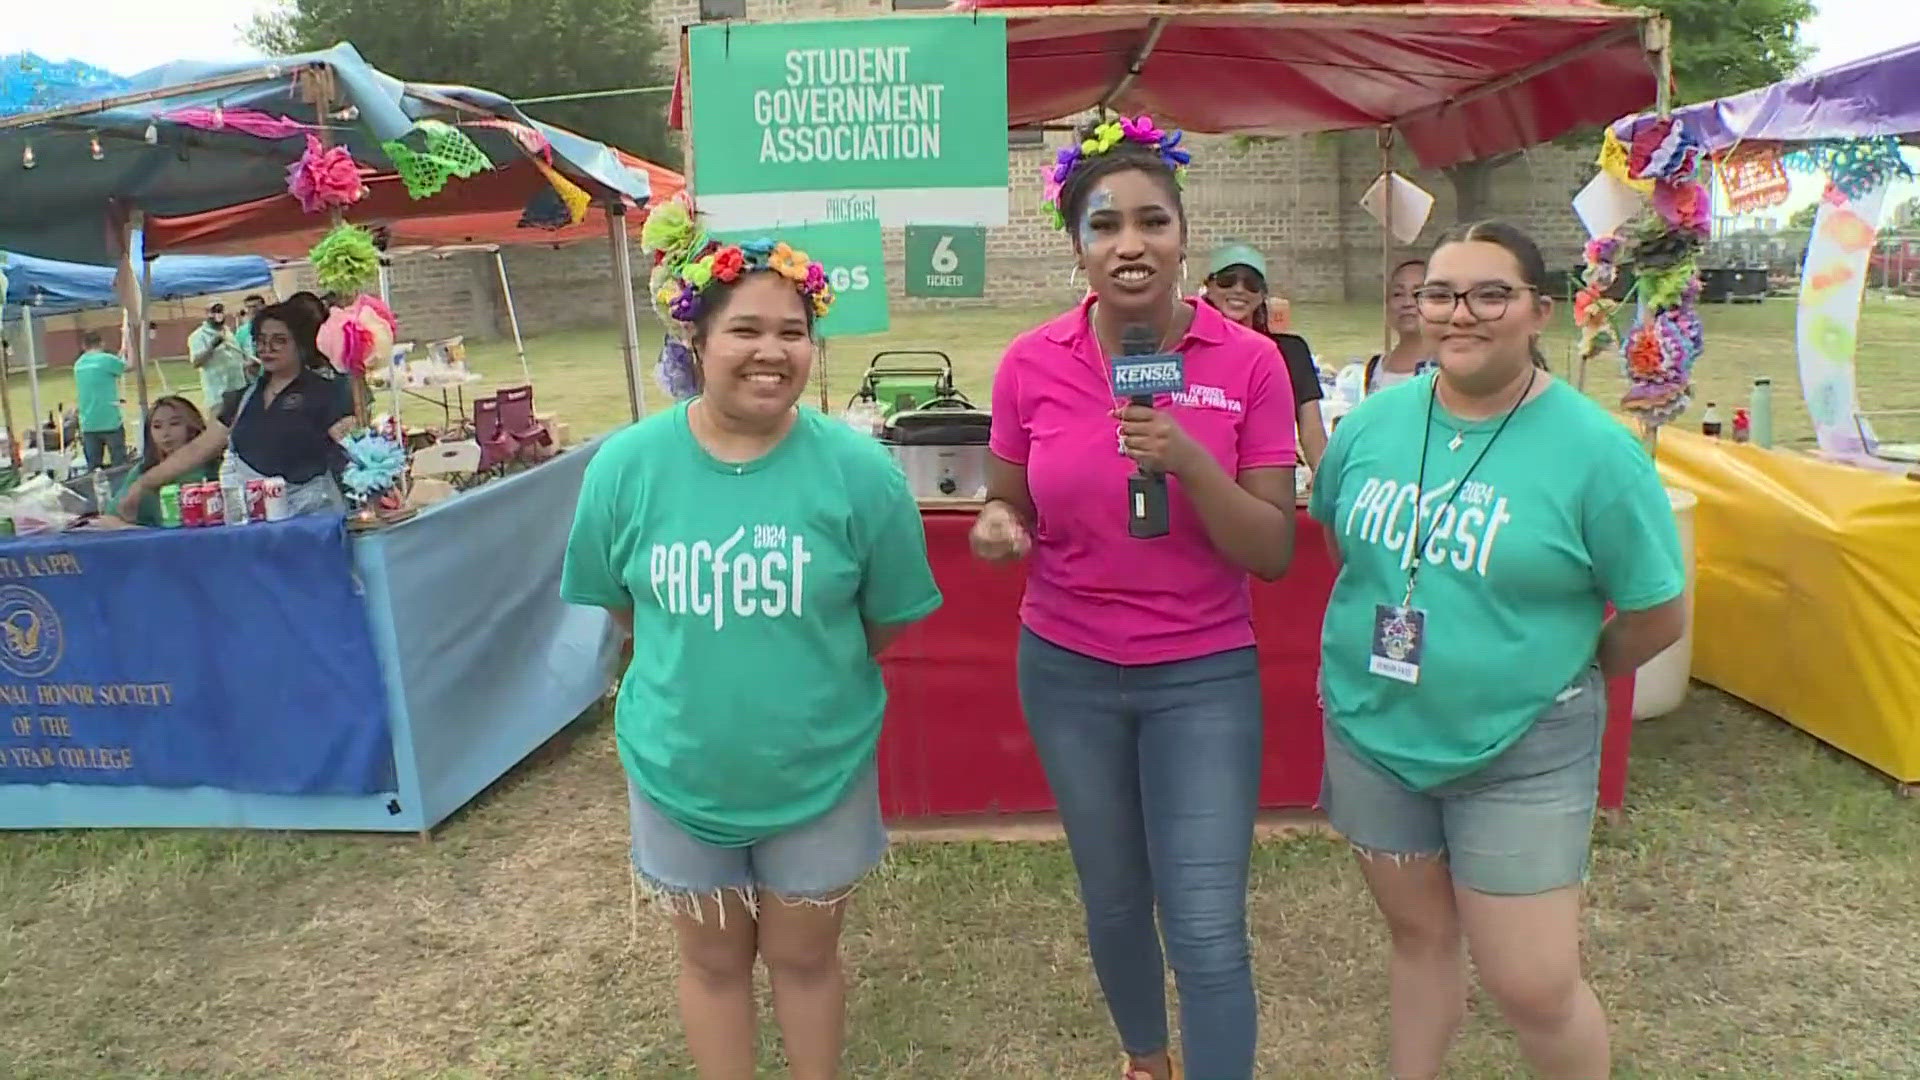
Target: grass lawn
column 1756, row 915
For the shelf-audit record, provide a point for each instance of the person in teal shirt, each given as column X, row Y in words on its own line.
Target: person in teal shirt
column 243, row 337
column 96, row 390
column 762, row 554
column 172, row 422
column 1483, row 516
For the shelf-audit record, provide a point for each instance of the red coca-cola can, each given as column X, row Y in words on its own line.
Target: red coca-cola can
column 256, row 500
column 193, row 505
column 215, row 503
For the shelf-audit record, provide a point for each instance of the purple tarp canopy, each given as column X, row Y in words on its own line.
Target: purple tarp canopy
column 1879, row 95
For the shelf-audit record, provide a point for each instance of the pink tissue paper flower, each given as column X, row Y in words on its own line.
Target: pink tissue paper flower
column 325, row 178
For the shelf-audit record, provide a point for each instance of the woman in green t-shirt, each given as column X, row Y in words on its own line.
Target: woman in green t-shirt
column 762, row 555
column 1483, row 515
column 172, row 422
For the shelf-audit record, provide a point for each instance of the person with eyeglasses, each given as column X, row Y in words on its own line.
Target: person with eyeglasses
column 1237, row 286
column 1483, row 516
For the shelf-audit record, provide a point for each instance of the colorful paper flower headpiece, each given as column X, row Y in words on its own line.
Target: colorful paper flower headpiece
column 1138, row 130
column 687, row 264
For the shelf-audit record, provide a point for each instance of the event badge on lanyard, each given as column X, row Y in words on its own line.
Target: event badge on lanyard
column 1400, row 631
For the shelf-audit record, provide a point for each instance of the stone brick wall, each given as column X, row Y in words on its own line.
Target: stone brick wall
column 436, row 296
column 1296, row 199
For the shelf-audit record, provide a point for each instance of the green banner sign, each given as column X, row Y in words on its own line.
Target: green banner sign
column 946, row 260
column 854, row 259
column 843, row 119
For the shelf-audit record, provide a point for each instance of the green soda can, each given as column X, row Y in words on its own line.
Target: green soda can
column 170, row 506
column 6, row 526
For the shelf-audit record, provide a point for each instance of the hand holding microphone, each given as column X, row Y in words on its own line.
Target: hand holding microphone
column 1150, row 437
column 1154, row 439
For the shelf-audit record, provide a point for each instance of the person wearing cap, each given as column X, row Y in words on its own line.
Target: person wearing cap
column 1237, row 286
column 213, row 349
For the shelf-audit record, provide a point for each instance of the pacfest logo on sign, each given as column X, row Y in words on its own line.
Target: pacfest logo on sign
column 839, row 119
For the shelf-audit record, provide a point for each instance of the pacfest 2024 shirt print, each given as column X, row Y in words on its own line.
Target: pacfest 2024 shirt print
column 751, row 702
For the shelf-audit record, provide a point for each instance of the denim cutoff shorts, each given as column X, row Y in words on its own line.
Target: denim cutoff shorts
column 1520, row 825
column 821, row 860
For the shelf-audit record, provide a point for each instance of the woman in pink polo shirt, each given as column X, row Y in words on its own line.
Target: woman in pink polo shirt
column 1137, row 669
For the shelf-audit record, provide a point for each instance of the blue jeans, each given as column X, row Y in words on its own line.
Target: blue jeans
column 104, row 449
column 1156, row 771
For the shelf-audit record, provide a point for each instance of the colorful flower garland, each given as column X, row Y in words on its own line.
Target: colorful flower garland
column 1662, row 247
column 687, row 264
column 1138, row 130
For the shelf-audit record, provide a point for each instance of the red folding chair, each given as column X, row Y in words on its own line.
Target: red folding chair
column 497, row 447
column 517, row 422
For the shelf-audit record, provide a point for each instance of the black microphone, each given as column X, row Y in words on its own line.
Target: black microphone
column 1139, row 373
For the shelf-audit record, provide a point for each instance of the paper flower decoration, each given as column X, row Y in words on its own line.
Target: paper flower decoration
column 346, row 260
column 355, row 336
column 1138, row 130
column 325, row 178
column 375, row 464
column 675, row 371
column 686, row 264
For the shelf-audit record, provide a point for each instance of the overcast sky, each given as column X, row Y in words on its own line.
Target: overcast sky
column 125, row 36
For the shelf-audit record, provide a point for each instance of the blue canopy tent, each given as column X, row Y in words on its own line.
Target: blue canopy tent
column 36, row 286
column 95, row 153
column 51, row 287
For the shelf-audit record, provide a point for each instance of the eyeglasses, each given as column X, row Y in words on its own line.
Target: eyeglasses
column 1484, row 302
column 1236, row 278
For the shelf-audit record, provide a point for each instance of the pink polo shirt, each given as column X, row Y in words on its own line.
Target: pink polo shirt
column 1092, row 588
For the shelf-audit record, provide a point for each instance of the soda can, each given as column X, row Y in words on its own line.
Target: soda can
column 170, row 516
column 213, row 504
column 256, row 500
column 193, row 505
column 274, row 491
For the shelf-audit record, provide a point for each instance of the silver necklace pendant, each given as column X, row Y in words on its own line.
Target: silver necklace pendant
column 1459, row 437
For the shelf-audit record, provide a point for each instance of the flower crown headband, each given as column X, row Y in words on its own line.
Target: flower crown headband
column 686, row 263
column 1138, row 130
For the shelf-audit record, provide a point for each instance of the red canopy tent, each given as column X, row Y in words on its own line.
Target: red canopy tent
column 482, row 210
column 1457, row 79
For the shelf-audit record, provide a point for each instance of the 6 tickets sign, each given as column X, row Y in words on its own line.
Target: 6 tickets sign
column 899, row 119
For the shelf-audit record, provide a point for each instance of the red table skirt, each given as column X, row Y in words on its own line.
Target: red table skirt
column 955, row 741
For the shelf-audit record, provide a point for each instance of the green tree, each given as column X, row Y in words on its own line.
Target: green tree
column 517, row 48
column 1720, row 47
column 1803, row 217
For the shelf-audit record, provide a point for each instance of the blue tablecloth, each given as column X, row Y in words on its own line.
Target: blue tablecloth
column 375, row 682
column 239, row 658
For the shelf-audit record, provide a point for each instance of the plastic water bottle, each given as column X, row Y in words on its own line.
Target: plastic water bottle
column 1710, row 423
column 1761, row 409
column 102, row 493
column 233, row 492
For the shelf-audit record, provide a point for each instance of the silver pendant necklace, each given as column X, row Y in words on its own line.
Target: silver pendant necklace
column 1459, row 438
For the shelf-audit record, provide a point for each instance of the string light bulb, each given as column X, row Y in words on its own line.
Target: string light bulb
column 153, row 134
column 94, row 148
column 26, row 157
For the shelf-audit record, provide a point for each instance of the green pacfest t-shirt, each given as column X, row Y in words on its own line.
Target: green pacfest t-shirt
column 751, row 705
column 1564, row 514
